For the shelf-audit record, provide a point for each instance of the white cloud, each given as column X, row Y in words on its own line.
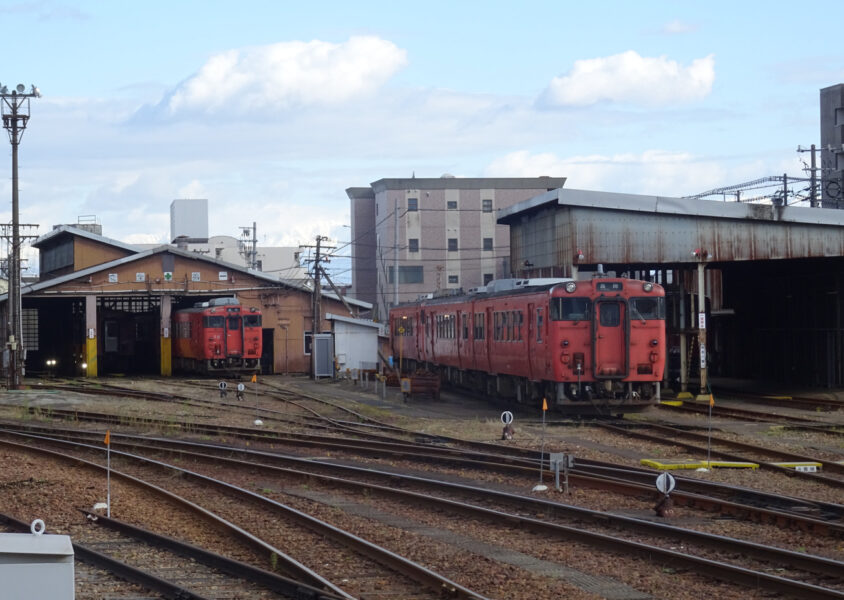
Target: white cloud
column 678, row 27
column 655, row 172
column 631, row 78
column 288, row 75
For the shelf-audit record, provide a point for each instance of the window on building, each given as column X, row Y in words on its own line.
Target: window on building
column 413, row 245
column 486, row 204
column 451, row 205
column 452, row 279
column 488, row 244
column 412, row 204
column 406, row 275
column 452, row 244
column 488, row 277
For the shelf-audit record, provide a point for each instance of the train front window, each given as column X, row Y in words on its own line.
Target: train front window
column 251, row 320
column 234, row 323
column 571, row 309
column 647, row 308
column 214, row 322
column 610, row 314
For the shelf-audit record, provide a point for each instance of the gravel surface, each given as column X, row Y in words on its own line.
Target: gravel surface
column 500, row 562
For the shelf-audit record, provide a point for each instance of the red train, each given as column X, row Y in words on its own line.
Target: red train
column 218, row 336
column 588, row 347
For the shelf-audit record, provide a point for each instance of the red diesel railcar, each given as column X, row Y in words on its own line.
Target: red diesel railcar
column 588, row 347
column 218, row 336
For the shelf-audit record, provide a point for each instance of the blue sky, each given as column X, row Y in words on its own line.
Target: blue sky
column 272, row 109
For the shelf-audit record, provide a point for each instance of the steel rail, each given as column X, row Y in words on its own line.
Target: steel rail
column 412, row 570
column 722, row 571
column 786, row 456
column 121, row 570
column 694, row 493
column 720, row 410
column 236, row 568
column 289, row 564
column 785, row 400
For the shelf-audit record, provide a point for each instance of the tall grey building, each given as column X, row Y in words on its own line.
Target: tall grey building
column 440, row 233
column 189, row 218
column 832, row 146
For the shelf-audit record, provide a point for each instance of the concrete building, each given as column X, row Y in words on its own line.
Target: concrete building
column 189, row 232
column 439, row 233
column 832, row 146
column 103, row 307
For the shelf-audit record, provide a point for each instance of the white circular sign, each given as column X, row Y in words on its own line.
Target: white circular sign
column 240, row 387
column 665, row 483
column 506, row 417
column 223, row 385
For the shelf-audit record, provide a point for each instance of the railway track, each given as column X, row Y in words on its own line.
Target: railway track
column 796, row 513
column 823, row 570
column 723, row 448
column 174, row 569
column 357, row 562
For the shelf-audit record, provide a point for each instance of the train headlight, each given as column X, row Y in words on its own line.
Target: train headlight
column 648, row 286
column 571, row 287
column 654, row 342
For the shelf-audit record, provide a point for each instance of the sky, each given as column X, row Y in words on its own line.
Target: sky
column 270, row 110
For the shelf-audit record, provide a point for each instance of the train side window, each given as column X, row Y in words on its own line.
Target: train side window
column 610, row 314
column 465, row 319
column 539, row 325
column 479, row 326
column 520, row 317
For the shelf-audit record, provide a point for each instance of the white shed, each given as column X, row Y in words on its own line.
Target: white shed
column 355, row 342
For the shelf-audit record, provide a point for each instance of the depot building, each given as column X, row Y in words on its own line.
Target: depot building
column 102, row 307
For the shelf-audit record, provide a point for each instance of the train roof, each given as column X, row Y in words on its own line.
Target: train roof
column 500, row 288
column 494, row 289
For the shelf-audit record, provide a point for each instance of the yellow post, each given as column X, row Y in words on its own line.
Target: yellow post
column 166, row 356
column 91, row 356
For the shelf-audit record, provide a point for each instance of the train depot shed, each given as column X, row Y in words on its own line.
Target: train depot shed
column 773, row 276
column 103, row 307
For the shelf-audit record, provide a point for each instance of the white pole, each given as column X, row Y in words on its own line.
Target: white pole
column 108, row 479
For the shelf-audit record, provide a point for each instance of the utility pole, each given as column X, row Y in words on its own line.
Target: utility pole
column 813, row 176
column 15, row 109
column 317, row 326
column 316, row 306
column 250, row 253
column 396, row 255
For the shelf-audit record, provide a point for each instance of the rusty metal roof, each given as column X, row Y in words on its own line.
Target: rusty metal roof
column 630, row 228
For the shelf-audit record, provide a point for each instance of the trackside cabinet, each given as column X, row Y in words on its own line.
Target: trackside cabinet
column 36, row 566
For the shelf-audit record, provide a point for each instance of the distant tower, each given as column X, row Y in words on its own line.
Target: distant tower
column 832, row 146
column 189, row 217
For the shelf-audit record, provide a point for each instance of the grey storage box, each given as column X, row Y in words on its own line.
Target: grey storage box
column 36, row 566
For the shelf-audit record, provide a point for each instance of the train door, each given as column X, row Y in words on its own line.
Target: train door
column 610, row 338
column 420, row 336
column 533, row 369
column 234, row 336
